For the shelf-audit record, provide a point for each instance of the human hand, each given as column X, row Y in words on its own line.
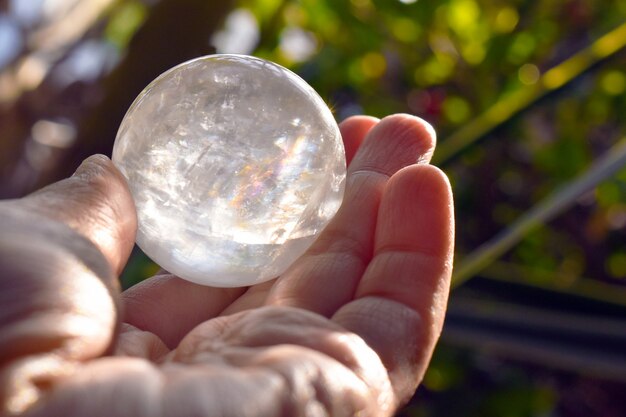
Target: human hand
column 348, row 329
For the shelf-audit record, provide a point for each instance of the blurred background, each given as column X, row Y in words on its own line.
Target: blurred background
column 529, row 101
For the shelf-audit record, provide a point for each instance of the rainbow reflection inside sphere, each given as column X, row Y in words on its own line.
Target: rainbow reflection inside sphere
column 235, row 163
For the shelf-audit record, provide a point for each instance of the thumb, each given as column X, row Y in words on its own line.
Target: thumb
column 96, row 203
column 60, row 251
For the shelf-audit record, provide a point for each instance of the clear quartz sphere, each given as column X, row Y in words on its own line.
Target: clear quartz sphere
column 235, row 164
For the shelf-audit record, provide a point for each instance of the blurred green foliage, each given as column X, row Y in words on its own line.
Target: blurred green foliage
column 124, row 22
column 497, row 389
column 451, row 61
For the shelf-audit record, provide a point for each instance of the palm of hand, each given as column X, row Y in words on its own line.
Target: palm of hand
column 348, row 329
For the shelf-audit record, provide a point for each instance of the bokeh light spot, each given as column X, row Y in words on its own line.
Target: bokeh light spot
column 31, row 71
column 28, row 12
column 616, row 216
column 614, row 82
column 240, row 34
column 55, row 134
column 521, row 48
column 616, row 265
column 506, row 20
column 436, row 71
column 297, row 45
column 10, row 40
column 434, row 380
column 463, row 15
column 456, row 109
column 528, row 74
column 474, row 53
column 125, row 23
column 295, row 14
column 405, row 30
column 373, row 64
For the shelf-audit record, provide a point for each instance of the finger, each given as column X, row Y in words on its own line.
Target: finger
column 59, row 305
column 189, row 304
column 58, row 251
column 326, row 276
column 414, row 238
column 400, row 301
column 353, row 131
column 57, row 292
column 170, row 307
column 97, row 203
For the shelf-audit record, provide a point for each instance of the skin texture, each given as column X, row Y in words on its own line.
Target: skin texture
column 348, row 330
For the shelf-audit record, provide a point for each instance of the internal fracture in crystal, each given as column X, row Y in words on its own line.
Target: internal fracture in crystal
column 235, row 165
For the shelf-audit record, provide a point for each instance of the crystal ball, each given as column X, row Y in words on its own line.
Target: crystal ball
column 235, row 164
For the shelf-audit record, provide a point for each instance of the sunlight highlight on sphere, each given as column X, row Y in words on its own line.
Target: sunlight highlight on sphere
column 235, row 165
